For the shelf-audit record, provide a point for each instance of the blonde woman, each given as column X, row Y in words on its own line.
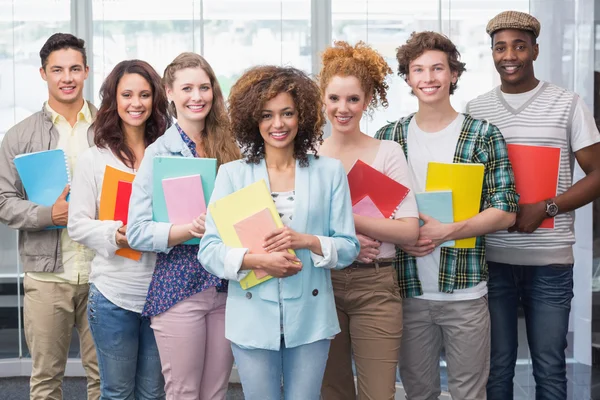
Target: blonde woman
column 185, row 302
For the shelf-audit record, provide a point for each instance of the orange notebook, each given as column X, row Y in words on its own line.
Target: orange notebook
column 252, row 231
column 383, row 191
column 108, row 202
column 536, row 171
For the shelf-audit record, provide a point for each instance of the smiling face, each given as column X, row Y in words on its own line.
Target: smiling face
column 134, row 100
column 278, row 123
column 514, row 52
column 192, row 95
column 345, row 101
column 430, row 77
column 65, row 73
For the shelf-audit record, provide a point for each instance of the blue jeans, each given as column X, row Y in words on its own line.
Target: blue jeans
column 545, row 293
column 302, row 368
column 127, row 354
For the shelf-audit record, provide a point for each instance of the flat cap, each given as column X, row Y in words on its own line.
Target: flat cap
column 513, row 20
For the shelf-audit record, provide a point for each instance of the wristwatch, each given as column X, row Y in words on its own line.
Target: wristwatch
column 551, row 208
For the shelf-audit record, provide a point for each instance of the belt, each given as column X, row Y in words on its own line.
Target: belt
column 388, row 262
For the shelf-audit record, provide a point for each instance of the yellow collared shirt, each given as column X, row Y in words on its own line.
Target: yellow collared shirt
column 76, row 257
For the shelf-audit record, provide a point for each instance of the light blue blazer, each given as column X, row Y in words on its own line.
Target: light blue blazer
column 322, row 207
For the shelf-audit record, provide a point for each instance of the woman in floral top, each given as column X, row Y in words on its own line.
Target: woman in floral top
column 185, row 302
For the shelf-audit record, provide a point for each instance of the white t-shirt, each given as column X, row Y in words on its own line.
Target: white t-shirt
column 424, row 147
column 124, row 282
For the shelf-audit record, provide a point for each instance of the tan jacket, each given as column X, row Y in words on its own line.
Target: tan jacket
column 39, row 249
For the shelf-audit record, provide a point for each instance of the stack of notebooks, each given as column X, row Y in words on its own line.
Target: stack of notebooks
column 243, row 219
column 456, row 187
column 114, row 202
column 182, row 188
column 373, row 193
column 44, row 175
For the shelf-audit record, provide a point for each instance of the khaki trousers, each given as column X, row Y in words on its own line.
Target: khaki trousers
column 462, row 328
column 50, row 311
column 369, row 309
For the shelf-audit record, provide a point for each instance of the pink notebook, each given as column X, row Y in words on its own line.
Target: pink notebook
column 184, row 198
column 252, row 230
column 367, row 208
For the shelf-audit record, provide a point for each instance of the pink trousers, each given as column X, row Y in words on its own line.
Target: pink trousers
column 196, row 358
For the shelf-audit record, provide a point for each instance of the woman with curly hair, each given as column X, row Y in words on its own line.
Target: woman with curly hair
column 133, row 114
column 186, row 303
column 368, row 301
column 282, row 327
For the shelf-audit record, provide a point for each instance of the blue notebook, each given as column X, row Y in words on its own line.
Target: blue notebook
column 437, row 205
column 174, row 167
column 44, row 175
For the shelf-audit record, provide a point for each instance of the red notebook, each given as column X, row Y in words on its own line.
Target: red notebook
column 536, row 171
column 122, row 203
column 252, row 230
column 384, row 192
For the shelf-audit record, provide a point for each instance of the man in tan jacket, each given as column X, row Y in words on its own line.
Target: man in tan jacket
column 56, row 268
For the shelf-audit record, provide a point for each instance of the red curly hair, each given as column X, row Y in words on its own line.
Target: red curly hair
column 360, row 61
column 261, row 84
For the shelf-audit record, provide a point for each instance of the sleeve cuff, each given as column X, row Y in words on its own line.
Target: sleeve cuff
column 329, row 258
column 44, row 215
column 111, row 232
column 161, row 237
column 233, row 263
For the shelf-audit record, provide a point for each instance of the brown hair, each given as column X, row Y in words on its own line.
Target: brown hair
column 107, row 126
column 360, row 61
column 419, row 43
column 259, row 85
column 217, row 140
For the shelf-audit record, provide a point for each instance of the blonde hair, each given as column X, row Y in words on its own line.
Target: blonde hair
column 217, row 139
column 360, row 61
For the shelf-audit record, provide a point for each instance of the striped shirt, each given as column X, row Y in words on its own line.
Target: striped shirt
column 545, row 116
column 479, row 142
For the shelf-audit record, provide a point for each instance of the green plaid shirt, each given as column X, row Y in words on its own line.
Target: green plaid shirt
column 479, row 142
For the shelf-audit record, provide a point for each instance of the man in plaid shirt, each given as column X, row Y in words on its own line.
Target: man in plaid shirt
column 445, row 289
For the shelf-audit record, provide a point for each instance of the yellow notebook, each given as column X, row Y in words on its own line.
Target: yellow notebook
column 466, row 182
column 230, row 210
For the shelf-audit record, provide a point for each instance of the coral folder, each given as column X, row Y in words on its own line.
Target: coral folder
column 184, row 198
column 108, row 202
column 235, row 209
column 536, row 171
column 252, row 231
column 383, row 191
column 465, row 180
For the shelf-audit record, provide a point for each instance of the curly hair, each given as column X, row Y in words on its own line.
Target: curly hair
column 217, row 139
column 107, row 126
column 360, row 61
column 260, row 84
column 419, row 43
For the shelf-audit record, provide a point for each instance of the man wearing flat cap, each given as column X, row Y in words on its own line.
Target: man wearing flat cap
column 530, row 264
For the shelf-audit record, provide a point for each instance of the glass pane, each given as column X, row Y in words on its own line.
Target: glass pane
column 9, row 300
column 144, row 29
column 24, row 27
column 385, row 25
column 258, row 32
column 465, row 25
